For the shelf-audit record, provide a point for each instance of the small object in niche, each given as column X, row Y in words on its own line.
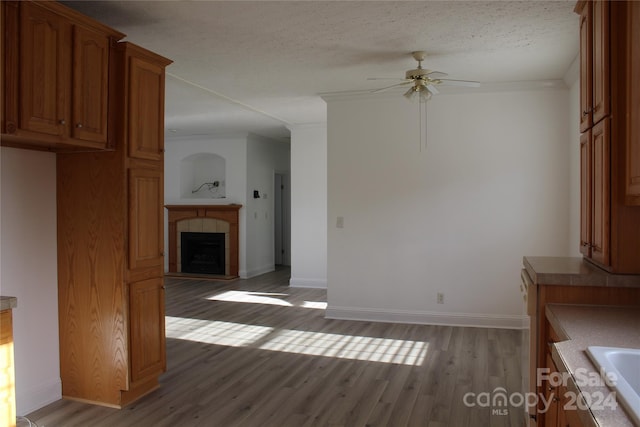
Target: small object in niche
column 212, row 187
column 256, row 194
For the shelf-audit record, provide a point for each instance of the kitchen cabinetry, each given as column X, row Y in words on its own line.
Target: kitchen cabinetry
column 561, row 410
column 595, row 176
column 609, row 231
column 56, row 85
column 594, row 62
column 566, row 281
column 564, row 294
column 110, row 247
column 633, row 105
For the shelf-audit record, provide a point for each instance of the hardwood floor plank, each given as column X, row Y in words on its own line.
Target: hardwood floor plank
column 256, row 352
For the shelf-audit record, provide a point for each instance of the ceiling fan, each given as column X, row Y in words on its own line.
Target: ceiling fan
column 423, row 81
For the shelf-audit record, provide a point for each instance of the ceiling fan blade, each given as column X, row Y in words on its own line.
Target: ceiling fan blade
column 390, row 87
column 436, row 74
column 432, row 89
column 385, row 78
column 465, row 83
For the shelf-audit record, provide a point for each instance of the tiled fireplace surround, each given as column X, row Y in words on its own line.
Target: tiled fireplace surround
column 204, row 219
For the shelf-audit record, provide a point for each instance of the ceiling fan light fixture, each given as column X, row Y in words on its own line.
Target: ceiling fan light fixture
column 419, row 89
column 425, row 95
column 411, row 93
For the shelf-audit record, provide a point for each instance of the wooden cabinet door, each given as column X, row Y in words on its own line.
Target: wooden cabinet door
column 601, row 62
column 633, row 104
column 45, row 58
column 550, row 417
column 586, row 63
column 586, row 180
column 90, row 85
column 146, row 218
column 146, row 326
column 146, row 110
column 601, row 182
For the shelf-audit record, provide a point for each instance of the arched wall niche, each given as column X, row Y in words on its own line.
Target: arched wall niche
column 203, row 176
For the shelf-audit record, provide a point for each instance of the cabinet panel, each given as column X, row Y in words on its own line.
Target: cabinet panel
column 601, row 192
column 633, row 104
column 147, row 335
column 44, row 70
column 90, row 85
column 146, row 218
column 551, row 393
column 7, row 371
column 585, row 67
column 146, row 103
column 601, row 63
column 585, row 193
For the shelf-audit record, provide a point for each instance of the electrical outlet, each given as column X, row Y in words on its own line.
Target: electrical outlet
column 440, row 298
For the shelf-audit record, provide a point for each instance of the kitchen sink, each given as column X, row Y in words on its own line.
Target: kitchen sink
column 624, row 363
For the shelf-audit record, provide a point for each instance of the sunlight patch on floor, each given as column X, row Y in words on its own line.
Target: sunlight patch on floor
column 351, row 347
column 214, row 332
column 319, row 305
column 251, row 297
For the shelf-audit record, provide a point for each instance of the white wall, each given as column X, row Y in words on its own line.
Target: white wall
column 234, row 150
column 264, row 158
column 29, row 272
column 491, row 186
column 309, row 206
column 251, row 163
column 572, row 79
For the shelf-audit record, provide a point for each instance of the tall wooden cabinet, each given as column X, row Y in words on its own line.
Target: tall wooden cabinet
column 56, row 86
column 110, row 248
column 632, row 178
column 610, row 226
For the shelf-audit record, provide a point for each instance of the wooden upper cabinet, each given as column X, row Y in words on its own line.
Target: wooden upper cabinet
column 586, row 64
column 595, row 98
column 601, row 62
column 56, row 77
column 90, row 85
column 145, row 92
column 632, row 171
column 44, row 71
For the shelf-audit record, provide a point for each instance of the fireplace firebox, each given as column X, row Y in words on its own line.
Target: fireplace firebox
column 202, row 253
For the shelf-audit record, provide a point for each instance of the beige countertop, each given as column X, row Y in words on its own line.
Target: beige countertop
column 7, row 303
column 587, row 325
column 574, row 271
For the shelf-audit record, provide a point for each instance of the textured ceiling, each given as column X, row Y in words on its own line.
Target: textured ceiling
column 258, row 66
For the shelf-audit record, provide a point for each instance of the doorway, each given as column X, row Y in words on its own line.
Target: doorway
column 282, row 219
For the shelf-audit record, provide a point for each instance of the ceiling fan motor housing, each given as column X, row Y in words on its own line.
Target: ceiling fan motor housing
column 418, row 73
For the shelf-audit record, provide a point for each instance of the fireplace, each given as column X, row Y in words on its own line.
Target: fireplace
column 204, row 219
column 202, row 253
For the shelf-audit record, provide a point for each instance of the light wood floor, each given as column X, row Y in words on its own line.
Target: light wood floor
column 258, row 353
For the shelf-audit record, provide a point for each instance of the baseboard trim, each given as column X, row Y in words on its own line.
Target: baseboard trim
column 299, row 282
column 37, row 397
column 427, row 317
column 247, row 274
